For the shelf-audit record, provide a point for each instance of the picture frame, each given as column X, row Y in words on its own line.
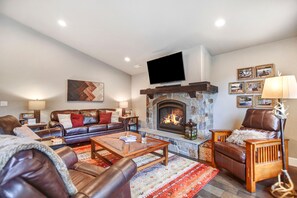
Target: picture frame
column 265, row 71
column 244, row 101
column 263, row 102
column 245, row 73
column 252, row 87
column 236, row 87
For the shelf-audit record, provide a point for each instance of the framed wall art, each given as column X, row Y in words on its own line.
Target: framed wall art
column 244, row 101
column 264, row 71
column 263, row 102
column 85, row 91
column 245, row 73
column 236, row 88
column 254, row 86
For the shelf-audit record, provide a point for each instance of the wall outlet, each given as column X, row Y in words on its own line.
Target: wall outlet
column 3, row 103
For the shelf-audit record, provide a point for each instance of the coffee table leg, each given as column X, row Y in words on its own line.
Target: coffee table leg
column 92, row 150
column 165, row 153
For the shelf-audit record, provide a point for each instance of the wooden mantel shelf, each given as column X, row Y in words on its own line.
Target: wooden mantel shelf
column 191, row 89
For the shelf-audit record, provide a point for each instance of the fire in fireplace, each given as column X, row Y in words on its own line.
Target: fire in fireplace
column 171, row 115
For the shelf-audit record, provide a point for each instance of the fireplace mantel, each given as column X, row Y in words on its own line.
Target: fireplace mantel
column 191, row 89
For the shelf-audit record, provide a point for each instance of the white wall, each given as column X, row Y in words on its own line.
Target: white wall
column 283, row 54
column 34, row 66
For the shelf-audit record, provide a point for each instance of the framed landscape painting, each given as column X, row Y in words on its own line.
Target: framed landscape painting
column 85, row 91
column 245, row 101
column 263, row 102
column 264, row 71
column 254, row 86
column 236, row 87
column 245, row 73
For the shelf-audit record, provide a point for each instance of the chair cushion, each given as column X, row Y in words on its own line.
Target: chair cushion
column 231, row 150
column 239, row 136
column 77, row 120
column 115, row 125
column 77, row 130
column 97, row 127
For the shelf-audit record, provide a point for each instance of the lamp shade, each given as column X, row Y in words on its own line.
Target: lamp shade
column 36, row 104
column 280, row 87
column 123, row 104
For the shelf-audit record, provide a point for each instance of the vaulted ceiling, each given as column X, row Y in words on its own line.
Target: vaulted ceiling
column 111, row 30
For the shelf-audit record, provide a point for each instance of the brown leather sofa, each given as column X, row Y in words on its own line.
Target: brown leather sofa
column 31, row 173
column 91, row 126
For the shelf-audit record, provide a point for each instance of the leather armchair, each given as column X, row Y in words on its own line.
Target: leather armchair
column 30, row 173
column 260, row 159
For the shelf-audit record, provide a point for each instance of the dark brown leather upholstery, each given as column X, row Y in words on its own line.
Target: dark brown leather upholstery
column 30, row 174
column 233, row 157
column 91, row 128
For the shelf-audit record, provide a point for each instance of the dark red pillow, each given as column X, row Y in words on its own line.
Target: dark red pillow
column 105, row 118
column 77, row 120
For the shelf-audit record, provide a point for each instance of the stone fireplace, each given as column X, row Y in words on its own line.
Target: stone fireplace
column 171, row 116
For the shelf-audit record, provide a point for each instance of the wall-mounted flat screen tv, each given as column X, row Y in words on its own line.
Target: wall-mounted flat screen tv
column 166, row 69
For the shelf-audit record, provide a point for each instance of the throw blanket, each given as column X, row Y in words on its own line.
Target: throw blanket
column 10, row 145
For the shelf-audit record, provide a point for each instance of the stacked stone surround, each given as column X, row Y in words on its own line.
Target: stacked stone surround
column 199, row 109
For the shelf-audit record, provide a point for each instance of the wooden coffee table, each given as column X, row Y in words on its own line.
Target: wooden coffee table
column 118, row 147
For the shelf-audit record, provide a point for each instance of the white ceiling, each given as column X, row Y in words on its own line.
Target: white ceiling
column 145, row 29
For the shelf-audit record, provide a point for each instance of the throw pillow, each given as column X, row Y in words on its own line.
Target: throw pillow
column 65, row 120
column 239, row 136
column 115, row 115
column 77, row 120
column 105, row 118
column 25, row 132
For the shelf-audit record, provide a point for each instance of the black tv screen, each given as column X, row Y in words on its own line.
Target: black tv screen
column 166, row 69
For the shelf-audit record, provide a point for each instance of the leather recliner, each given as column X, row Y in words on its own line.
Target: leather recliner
column 31, row 173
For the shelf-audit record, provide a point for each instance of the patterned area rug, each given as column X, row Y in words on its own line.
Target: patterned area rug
column 181, row 178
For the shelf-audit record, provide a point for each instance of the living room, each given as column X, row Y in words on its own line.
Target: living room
column 38, row 56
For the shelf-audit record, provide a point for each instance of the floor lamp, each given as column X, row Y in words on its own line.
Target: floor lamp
column 281, row 87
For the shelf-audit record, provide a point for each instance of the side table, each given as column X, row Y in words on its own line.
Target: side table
column 130, row 121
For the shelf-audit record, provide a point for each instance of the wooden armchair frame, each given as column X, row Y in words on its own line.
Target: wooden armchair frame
column 263, row 157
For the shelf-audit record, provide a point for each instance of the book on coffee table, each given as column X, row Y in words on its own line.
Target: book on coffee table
column 128, row 138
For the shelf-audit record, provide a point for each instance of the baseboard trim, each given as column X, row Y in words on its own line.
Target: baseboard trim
column 293, row 161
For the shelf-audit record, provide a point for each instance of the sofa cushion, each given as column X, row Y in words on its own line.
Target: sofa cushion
column 105, row 117
column 97, row 128
column 25, row 132
column 115, row 115
column 77, row 130
column 54, row 114
column 65, row 120
column 91, row 116
column 231, row 150
column 77, row 120
column 115, row 125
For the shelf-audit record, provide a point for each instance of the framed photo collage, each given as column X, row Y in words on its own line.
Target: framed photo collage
column 250, row 85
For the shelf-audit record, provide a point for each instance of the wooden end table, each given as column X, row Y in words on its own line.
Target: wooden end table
column 118, row 147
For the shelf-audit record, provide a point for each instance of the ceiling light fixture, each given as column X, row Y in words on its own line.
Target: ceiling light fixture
column 127, row 59
column 220, row 22
column 62, row 23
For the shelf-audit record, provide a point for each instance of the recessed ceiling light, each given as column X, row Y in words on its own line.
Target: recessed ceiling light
column 62, row 23
column 127, row 59
column 137, row 66
column 220, row 22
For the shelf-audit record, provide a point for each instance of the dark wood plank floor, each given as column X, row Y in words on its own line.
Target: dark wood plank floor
column 227, row 186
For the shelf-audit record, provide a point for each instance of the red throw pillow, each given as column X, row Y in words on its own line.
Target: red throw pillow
column 105, row 118
column 77, row 120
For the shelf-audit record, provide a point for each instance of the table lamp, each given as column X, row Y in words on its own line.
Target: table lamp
column 36, row 105
column 281, row 87
column 123, row 105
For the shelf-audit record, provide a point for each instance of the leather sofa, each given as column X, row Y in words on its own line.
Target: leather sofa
column 30, row 173
column 91, row 126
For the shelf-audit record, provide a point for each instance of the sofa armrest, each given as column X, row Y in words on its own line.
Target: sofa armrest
column 53, row 124
column 52, row 132
column 111, row 180
column 68, row 156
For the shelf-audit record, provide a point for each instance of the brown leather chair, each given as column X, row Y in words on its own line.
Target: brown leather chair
column 260, row 159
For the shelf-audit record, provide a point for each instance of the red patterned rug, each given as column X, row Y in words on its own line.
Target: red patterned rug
column 180, row 178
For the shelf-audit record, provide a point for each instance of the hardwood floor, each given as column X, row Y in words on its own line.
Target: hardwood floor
column 227, row 186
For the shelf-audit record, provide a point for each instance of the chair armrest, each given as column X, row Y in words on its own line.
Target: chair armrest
column 219, row 135
column 111, row 180
column 68, row 156
column 52, row 132
column 89, row 169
